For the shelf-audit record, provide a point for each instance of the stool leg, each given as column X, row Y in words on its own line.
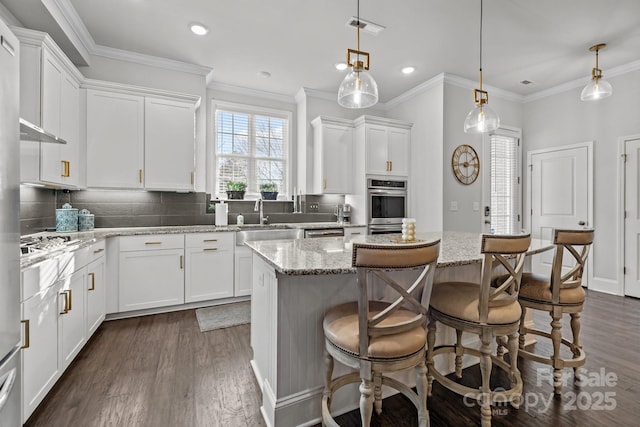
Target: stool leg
column 523, row 329
column 366, row 402
column 556, row 339
column 328, row 373
column 575, row 331
column 485, row 371
column 513, row 364
column 421, row 387
column 377, row 392
column 459, row 353
column 431, row 342
column 500, row 348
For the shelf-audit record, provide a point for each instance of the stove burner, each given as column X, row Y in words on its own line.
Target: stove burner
column 32, row 244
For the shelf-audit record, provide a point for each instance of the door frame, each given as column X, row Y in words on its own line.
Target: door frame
column 589, row 146
column 622, row 152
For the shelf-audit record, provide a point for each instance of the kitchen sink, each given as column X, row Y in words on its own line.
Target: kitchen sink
column 252, row 234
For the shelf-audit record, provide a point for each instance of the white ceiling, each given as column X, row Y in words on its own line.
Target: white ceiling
column 298, row 42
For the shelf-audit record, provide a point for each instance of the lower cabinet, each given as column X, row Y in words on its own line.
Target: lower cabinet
column 96, row 294
column 243, row 268
column 72, row 326
column 209, row 266
column 151, row 271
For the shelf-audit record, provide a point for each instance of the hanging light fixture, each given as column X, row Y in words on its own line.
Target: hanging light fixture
column 358, row 89
column 598, row 87
column 482, row 118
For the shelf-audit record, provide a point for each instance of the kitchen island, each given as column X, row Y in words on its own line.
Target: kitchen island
column 294, row 283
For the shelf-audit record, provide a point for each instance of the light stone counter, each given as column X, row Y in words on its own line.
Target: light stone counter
column 332, row 255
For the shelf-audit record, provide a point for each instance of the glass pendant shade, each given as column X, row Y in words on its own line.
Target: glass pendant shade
column 481, row 119
column 358, row 90
column 596, row 89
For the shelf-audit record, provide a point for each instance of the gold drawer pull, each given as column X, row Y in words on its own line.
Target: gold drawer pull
column 97, row 251
column 67, row 305
column 210, row 240
column 66, row 171
column 93, row 281
column 152, row 243
column 140, row 175
column 27, row 338
column 210, row 249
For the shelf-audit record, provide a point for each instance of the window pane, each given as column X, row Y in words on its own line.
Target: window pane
column 262, row 146
column 240, row 144
column 231, row 169
column 504, row 184
column 270, row 171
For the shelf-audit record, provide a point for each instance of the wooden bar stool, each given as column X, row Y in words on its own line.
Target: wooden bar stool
column 561, row 293
column 489, row 312
column 377, row 337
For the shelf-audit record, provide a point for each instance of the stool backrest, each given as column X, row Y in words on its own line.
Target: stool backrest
column 508, row 252
column 576, row 243
column 376, row 260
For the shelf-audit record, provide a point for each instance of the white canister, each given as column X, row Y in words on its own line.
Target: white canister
column 222, row 210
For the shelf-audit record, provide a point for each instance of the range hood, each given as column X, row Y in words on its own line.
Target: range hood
column 31, row 132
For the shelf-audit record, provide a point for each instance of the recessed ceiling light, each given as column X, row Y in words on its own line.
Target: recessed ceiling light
column 341, row 66
column 264, row 74
column 198, row 29
column 408, row 70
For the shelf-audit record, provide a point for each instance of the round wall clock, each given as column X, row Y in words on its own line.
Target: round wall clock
column 465, row 164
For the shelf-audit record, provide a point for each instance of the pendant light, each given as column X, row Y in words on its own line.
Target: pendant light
column 598, row 87
column 482, row 118
column 358, row 89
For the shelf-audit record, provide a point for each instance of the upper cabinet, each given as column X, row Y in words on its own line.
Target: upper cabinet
column 387, row 145
column 333, row 155
column 50, row 99
column 136, row 140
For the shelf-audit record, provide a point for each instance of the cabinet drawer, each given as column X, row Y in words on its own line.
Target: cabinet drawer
column 152, row 242
column 38, row 277
column 221, row 241
column 88, row 254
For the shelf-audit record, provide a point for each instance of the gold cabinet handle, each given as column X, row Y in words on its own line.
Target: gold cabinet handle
column 67, row 307
column 210, row 249
column 93, row 281
column 27, row 338
column 181, row 262
column 66, row 168
column 209, row 240
column 70, row 299
column 152, row 243
column 387, row 166
column 192, row 178
column 97, row 251
column 390, row 166
column 140, row 175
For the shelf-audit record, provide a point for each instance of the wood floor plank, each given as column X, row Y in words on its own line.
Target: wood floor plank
column 162, row 371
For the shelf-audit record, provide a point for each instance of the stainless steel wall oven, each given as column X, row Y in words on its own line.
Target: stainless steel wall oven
column 387, row 201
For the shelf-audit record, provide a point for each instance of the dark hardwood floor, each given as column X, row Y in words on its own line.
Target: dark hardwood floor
column 162, row 371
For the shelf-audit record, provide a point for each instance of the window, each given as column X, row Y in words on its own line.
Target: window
column 251, row 146
column 503, row 152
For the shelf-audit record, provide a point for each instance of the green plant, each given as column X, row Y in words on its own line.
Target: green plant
column 269, row 187
column 236, row 186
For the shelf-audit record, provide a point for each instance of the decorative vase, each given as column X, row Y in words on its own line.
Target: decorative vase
column 235, row 195
column 269, row 195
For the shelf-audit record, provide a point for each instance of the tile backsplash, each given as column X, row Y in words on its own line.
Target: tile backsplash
column 122, row 208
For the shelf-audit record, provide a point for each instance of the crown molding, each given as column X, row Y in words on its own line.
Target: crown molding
column 72, row 26
column 496, row 92
column 138, row 90
column 251, row 92
column 578, row 83
column 415, row 91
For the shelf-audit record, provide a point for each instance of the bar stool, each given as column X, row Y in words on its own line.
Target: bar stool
column 489, row 312
column 558, row 294
column 377, row 337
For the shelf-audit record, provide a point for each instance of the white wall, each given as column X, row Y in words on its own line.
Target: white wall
column 457, row 104
column 563, row 119
column 113, row 70
column 425, row 111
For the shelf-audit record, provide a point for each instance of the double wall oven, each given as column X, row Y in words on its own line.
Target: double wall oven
column 387, row 201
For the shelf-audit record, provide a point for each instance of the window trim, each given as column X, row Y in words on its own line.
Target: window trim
column 253, row 110
column 508, row 131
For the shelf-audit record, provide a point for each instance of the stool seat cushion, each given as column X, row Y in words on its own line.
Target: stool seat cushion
column 537, row 287
column 461, row 299
column 341, row 329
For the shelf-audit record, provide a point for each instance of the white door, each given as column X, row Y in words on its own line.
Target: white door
column 560, row 184
column 632, row 221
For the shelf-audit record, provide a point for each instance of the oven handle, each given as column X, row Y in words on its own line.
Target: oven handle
column 385, row 227
column 388, row 192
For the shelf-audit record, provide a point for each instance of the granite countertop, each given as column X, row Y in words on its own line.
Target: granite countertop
column 332, row 255
column 86, row 238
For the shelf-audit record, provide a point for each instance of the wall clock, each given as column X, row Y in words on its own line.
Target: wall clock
column 465, row 164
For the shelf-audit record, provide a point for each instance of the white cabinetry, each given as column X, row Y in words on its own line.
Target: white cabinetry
column 358, row 230
column 151, row 271
column 243, row 271
column 387, row 146
column 137, row 140
column 72, row 325
column 50, row 98
column 332, row 168
column 96, row 289
column 115, row 140
column 209, row 266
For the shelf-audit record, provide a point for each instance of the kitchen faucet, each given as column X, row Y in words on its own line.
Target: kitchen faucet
column 258, row 207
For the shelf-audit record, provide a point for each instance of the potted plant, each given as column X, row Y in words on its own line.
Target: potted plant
column 235, row 190
column 269, row 191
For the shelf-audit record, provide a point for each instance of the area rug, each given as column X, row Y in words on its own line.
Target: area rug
column 223, row 316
